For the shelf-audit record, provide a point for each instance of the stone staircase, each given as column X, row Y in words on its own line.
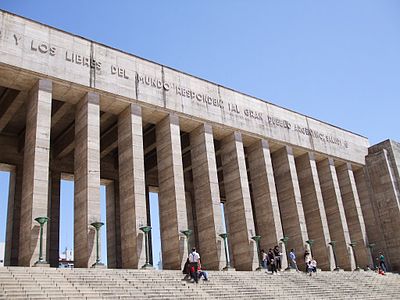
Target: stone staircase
column 49, row 283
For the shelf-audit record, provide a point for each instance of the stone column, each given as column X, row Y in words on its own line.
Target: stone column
column 171, row 196
column 238, row 204
column 53, row 225
column 373, row 228
column 265, row 199
column 113, row 225
column 334, row 209
column 354, row 216
column 36, row 171
column 290, row 202
column 206, row 196
column 132, row 188
column 86, row 179
column 314, row 210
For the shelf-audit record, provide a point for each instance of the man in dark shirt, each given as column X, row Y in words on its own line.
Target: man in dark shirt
column 277, row 254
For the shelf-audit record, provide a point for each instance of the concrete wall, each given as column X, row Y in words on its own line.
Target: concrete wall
column 33, row 47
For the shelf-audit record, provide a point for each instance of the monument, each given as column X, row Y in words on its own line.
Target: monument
column 73, row 108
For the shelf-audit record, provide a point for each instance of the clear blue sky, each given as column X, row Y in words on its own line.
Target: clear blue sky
column 337, row 61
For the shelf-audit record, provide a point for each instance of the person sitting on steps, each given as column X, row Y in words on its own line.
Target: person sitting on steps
column 202, row 273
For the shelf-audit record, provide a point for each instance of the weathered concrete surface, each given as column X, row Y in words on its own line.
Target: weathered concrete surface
column 86, row 179
column 290, row 202
column 240, row 224
column 30, row 51
column 171, row 196
column 207, row 199
column 131, row 186
column 335, row 214
column 354, row 217
column 383, row 166
column 314, row 210
column 36, row 171
column 155, row 85
column 370, row 213
column 266, row 208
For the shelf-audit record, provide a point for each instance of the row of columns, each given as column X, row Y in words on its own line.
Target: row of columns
column 292, row 196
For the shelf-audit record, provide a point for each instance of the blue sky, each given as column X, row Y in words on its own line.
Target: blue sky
column 337, row 61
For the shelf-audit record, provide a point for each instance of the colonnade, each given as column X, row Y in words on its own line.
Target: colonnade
column 268, row 193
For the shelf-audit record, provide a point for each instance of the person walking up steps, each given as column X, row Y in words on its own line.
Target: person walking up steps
column 264, row 259
column 382, row 263
column 307, row 258
column 278, row 261
column 272, row 263
column 292, row 257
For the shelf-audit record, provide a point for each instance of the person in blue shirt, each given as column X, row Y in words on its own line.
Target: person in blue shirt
column 202, row 273
column 292, row 258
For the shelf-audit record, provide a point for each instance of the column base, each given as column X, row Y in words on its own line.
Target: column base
column 338, row 269
column 228, row 269
column 147, row 267
column 291, row 270
column 42, row 264
column 98, row 266
column 358, row 269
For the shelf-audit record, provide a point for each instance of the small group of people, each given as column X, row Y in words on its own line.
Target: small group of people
column 193, row 268
column 272, row 261
column 310, row 262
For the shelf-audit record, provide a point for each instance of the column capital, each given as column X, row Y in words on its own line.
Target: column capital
column 43, row 84
column 265, row 143
column 289, row 150
column 93, row 98
column 238, row 136
column 345, row 166
column 311, row 156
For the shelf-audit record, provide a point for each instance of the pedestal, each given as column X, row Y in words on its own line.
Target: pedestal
column 99, row 266
column 43, row 264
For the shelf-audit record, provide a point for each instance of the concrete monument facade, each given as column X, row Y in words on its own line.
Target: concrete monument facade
column 71, row 108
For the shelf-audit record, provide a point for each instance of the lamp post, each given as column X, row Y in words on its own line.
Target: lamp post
column 41, row 221
column 257, row 238
column 228, row 263
column 97, row 226
column 310, row 243
column 333, row 244
column 352, row 245
column 371, row 248
column 187, row 233
column 146, row 230
column 285, row 240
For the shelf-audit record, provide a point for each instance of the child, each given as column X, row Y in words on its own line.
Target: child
column 310, row 268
